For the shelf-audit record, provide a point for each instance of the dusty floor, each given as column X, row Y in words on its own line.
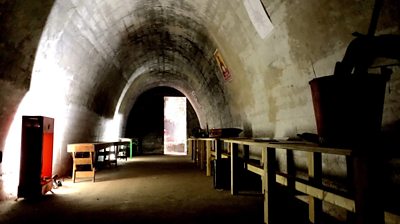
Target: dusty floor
column 145, row 189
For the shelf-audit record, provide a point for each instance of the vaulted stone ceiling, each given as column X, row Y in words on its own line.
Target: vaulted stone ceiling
column 115, row 50
column 86, row 62
column 126, row 47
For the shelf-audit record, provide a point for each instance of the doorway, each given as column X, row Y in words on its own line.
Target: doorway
column 175, row 126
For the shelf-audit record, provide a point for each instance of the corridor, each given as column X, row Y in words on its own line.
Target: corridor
column 144, row 189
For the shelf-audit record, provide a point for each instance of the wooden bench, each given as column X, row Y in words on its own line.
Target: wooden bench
column 361, row 198
column 204, row 150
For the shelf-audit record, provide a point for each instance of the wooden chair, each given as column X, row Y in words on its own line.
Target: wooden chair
column 83, row 156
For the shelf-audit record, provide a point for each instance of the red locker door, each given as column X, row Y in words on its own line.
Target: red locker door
column 47, row 148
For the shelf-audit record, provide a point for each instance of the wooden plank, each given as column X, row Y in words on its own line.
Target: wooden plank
column 80, row 147
column 323, row 195
column 249, row 142
column 83, row 161
column 308, row 147
column 85, row 147
column 391, row 217
column 83, row 174
column 313, row 148
column 335, row 199
column 280, row 179
column 255, row 169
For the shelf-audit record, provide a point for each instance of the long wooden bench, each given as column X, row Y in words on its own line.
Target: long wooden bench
column 361, row 201
column 204, row 150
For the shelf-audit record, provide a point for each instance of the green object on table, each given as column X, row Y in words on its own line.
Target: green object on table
column 130, row 147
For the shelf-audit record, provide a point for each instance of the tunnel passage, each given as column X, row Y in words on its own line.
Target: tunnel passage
column 100, row 56
column 146, row 119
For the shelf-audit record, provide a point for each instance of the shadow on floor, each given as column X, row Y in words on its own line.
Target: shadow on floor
column 145, row 189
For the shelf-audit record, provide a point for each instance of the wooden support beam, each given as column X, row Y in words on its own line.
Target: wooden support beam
column 270, row 191
column 367, row 182
column 291, row 172
column 208, row 157
column 190, row 148
column 246, row 152
column 234, row 168
column 202, row 153
column 196, row 152
column 315, row 177
column 218, row 149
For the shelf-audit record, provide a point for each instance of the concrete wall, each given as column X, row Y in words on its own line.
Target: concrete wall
column 270, row 87
column 95, row 59
column 21, row 27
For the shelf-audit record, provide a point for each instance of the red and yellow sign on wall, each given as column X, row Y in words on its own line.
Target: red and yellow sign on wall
column 222, row 66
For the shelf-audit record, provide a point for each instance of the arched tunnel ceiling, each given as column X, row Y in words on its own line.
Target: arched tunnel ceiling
column 94, row 58
column 112, row 44
column 106, row 53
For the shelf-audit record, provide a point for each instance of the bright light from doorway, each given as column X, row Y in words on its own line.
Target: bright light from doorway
column 175, row 126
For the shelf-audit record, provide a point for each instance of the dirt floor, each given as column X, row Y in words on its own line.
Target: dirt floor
column 144, row 189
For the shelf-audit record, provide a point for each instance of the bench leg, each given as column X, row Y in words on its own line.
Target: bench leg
column 270, row 191
column 73, row 175
column 315, row 175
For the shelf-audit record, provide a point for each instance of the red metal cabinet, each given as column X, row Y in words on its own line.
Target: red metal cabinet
column 36, row 156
